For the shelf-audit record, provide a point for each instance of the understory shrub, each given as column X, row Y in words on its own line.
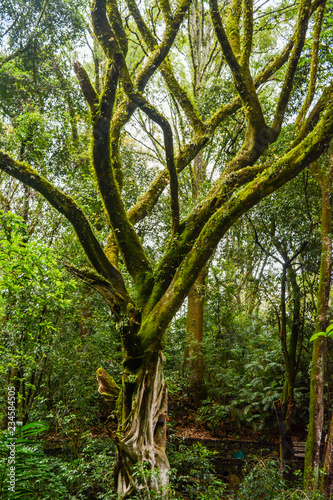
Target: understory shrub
column 25, row 471
column 193, row 473
column 263, row 481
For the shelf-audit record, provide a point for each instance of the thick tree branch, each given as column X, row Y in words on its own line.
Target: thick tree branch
column 126, row 108
column 117, row 25
column 166, row 9
column 158, row 118
column 88, row 91
column 102, row 28
column 283, row 170
column 175, row 89
column 161, row 52
column 190, row 228
column 247, row 32
column 242, row 79
column 227, row 51
column 127, row 239
column 144, row 30
column 258, row 134
column 232, row 25
column 270, row 69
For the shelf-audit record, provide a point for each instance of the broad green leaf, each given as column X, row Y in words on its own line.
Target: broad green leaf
column 318, row 334
column 329, row 329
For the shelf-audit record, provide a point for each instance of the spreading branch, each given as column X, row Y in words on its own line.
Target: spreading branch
column 283, row 170
column 247, row 32
column 102, row 28
column 166, row 70
column 158, row 118
column 88, row 91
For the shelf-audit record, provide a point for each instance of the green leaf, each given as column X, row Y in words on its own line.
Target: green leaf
column 318, row 334
column 329, row 329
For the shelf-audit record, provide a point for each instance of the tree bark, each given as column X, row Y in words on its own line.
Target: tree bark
column 142, row 465
column 194, row 340
column 326, row 484
column 316, row 417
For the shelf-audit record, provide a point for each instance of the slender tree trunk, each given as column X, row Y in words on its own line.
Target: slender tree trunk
column 142, row 465
column 193, row 352
column 316, row 417
column 200, row 33
column 284, row 411
column 326, row 484
column 195, row 311
column 285, row 407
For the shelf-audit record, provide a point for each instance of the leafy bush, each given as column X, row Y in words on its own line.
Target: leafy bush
column 263, row 481
column 41, row 477
column 302, row 495
column 193, row 473
column 93, row 471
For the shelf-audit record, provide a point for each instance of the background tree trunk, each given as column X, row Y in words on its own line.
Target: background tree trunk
column 326, row 484
column 194, row 333
column 316, row 417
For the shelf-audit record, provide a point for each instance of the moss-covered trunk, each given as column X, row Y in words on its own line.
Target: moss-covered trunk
column 142, row 465
column 316, row 417
column 326, row 485
column 194, row 339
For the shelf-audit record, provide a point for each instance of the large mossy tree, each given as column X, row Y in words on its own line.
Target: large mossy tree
column 140, row 47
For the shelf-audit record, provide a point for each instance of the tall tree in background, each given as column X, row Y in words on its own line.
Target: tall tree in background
column 284, row 243
column 323, row 174
column 203, row 61
column 141, row 54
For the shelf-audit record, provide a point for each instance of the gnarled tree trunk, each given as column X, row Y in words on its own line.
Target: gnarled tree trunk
column 142, row 464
